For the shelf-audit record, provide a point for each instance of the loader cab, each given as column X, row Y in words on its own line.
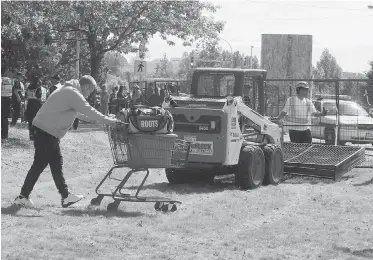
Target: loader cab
column 224, row 82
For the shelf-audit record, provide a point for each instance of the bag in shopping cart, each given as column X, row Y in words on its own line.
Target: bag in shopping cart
column 144, row 119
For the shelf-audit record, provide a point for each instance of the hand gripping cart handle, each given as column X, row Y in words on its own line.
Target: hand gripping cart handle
column 139, row 152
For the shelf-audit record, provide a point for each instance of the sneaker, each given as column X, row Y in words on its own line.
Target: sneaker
column 71, row 199
column 23, row 201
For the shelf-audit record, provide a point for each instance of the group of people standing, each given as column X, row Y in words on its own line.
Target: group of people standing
column 13, row 93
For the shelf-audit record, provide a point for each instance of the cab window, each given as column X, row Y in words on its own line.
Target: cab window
column 215, row 84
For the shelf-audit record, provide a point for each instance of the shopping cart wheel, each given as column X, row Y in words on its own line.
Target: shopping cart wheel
column 113, row 206
column 158, row 205
column 169, row 207
column 97, row 201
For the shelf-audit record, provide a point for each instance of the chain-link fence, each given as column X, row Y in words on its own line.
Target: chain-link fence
column 349, row 106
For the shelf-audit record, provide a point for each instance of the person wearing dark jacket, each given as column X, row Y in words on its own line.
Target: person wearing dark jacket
column 17, row 97
column 34, row 103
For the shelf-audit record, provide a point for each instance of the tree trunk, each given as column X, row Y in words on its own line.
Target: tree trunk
column 95, row 65
column 95, row 73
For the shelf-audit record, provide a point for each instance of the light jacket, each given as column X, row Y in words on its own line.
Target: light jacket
column 62, row 107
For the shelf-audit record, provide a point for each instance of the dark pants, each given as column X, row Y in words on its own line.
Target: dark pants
column 5, row 110
column 300, row 136
column 47, row 151
column 33, row 106
column 16, row 111
column 76, row 124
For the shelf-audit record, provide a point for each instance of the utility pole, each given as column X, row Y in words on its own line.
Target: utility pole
column 81, row 16
column 251, row 57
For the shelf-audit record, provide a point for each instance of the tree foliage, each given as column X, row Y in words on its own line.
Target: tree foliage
column 164, row 69
column 103, row 27
column 327, row 67
column 369, row 74
column 210, row 55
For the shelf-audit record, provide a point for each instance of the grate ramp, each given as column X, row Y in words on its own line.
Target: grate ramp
column 319, row 160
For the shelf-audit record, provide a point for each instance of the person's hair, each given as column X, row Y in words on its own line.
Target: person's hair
column 88, row 80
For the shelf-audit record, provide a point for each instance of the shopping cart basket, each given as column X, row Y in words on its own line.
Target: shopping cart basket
column 139, row 152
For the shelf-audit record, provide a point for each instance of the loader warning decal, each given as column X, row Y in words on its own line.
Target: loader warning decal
column 202, row 148
column 199, row 147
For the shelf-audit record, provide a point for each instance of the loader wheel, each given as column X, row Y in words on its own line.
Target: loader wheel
column 274, row 164
column 176, row 176
column 182, row 176
column 251, row 168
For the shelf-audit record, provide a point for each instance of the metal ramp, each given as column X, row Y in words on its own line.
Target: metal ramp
column 318, row 160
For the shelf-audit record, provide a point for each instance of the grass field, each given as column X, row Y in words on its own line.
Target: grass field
column 302, row 218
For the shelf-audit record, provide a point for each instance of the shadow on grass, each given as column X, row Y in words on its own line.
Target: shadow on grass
column 366, row 253
column 296, row 179
column 366, row 183
column 220, row 183
column 16, row 143
column 92, row 212
column 13, row 210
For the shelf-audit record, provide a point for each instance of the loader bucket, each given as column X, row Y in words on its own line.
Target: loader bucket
column 318, row 160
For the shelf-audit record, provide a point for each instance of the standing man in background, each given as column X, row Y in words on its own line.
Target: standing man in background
column 6, row 97
column 55, row 80
column 33, row 96
column 17, row 97
column 298, row 111
column 104, row 100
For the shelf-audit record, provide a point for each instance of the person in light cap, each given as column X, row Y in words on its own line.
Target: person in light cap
column 298, row 111
column 50, row 125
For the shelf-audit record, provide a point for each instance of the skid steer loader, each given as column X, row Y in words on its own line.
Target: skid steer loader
column 226, row 135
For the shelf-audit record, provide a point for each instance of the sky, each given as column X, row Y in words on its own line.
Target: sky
column 344, row 27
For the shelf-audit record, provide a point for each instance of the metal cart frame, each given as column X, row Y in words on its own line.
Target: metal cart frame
column 139, row 152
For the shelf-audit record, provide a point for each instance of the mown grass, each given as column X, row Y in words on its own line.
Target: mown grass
column 302, row 218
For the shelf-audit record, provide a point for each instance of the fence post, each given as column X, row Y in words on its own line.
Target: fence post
column 337, row 131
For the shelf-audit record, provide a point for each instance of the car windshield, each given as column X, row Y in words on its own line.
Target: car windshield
column 215, row 84
column 348, row 108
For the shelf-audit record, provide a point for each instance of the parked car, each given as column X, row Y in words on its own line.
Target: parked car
column 355, row 124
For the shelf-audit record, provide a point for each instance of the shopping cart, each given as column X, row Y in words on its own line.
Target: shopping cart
column 139, row 152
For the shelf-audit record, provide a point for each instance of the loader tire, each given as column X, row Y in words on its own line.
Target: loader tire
column 183, row 176
column 251, row 168
column 274, row 164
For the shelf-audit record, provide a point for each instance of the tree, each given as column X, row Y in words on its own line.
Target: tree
column 164, row 68
column 327, row 67
column 369, row 74
column 115, row 63
column 113, row 25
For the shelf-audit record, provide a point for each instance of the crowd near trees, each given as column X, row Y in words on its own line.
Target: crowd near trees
column 40, row 38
